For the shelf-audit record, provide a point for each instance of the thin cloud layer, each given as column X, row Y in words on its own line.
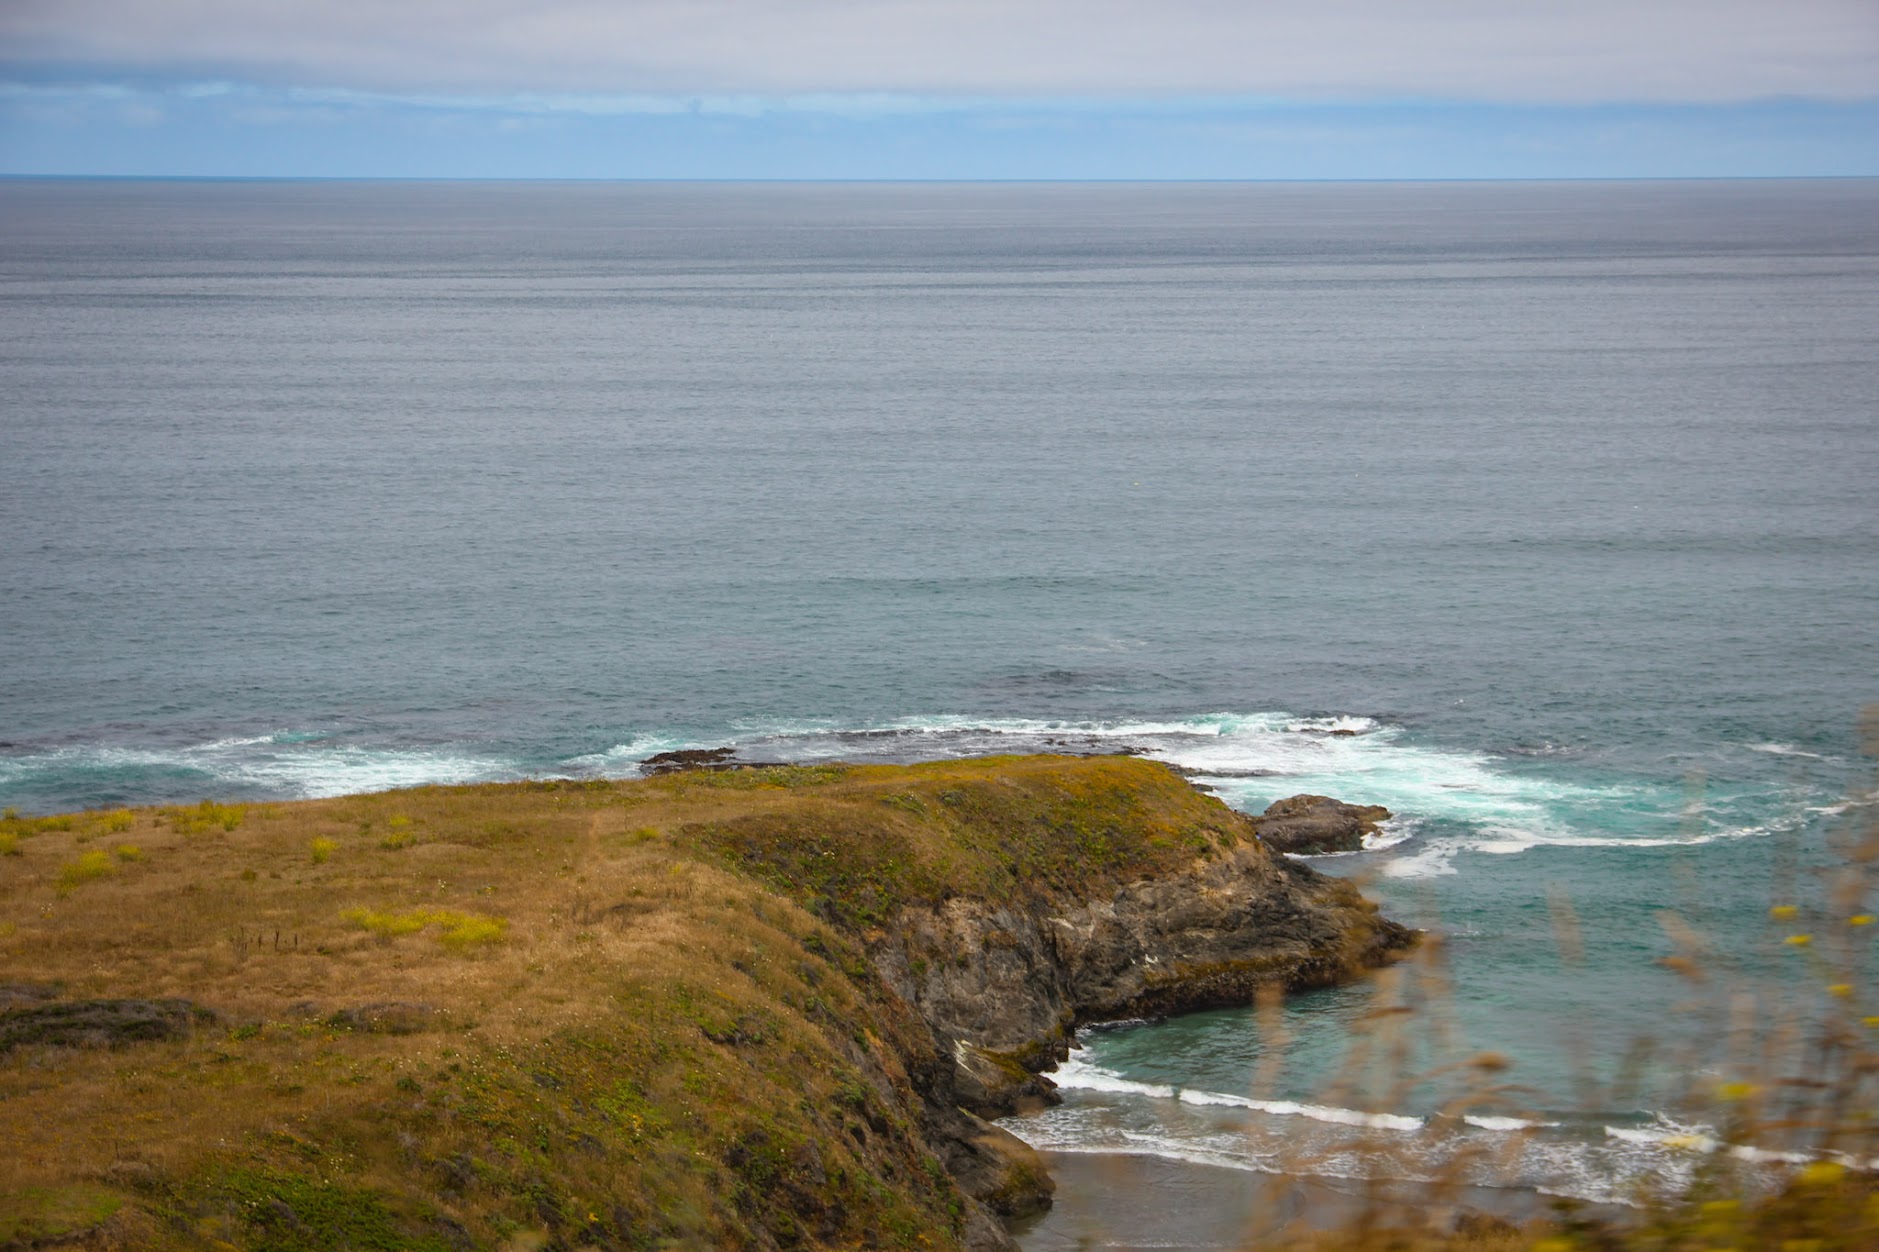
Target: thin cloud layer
column 1588, row 51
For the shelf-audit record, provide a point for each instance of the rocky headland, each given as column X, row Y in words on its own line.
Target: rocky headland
column 744, row 1007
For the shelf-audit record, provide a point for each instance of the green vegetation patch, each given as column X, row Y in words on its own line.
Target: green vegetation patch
column 89, row 867
column 44, row 1214
column 22, row 827
column 454, row 929
column 865, row 843
column 284, row 1211
column 14, row 828
column 697, row 1115
column 848, row 866
column 204, row 817
column 751, row 778
column 398, row 833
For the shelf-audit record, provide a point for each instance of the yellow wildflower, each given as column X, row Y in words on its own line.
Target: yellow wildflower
column 1821, row 1174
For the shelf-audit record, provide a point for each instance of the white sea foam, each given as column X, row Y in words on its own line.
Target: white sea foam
column 1085, row 1131
column 1163, row 1149
column 1331, row 725
column 1247, row 758
column 347, row 770
column 1486, row 1121
column 1437, row 856
column 1316, row 1112
column 280, row 764
column 1433, row 859
column 1171, row 1149
column 1449, row 802
column 1081, row 1075
column 1785, row 749
column 1109, row 1114
column 1670, row 1135
column 1856, row 801
column 1391, row 833
column 223, row 745
column 1503, row 842
column 1660, row 1156
column 622, row 760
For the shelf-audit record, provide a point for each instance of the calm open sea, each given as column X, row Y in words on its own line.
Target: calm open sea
column 1564, row 496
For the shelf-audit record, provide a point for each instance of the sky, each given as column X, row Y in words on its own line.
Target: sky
column 1178, row 89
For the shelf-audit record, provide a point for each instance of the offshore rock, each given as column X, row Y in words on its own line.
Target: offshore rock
column 689, row 758
column 709, row 760
column 1315, row 825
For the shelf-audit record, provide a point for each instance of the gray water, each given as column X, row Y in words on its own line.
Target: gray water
column 1560, row 494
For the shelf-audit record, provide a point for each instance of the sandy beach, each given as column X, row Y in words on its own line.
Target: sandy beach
column 1108, row 1200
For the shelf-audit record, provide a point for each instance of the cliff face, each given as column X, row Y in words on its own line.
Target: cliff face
column 1003, row 985
column 1004, row 902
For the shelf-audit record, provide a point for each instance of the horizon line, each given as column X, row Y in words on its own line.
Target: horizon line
column 654, row 178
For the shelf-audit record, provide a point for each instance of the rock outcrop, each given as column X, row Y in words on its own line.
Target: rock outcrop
column 99, row 1023
column 1315, row 825
column 1004, row 986
column 1175, row 906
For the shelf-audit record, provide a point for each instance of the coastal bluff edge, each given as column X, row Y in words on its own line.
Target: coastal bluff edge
column 744, row 1007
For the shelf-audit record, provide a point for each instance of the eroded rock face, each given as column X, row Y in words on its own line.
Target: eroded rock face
column 1315, row 825
column 999, row 1170
column 1004, row 986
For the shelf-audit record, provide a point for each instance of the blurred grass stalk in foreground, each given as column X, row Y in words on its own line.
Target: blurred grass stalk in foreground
column 1777, row 1076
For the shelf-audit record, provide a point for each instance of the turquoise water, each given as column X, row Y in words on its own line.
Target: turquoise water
column 1560, row 495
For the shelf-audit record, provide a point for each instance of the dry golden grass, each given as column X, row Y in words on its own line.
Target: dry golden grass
column 614, row 1038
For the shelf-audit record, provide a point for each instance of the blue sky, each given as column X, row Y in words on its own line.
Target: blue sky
column 1187, row 89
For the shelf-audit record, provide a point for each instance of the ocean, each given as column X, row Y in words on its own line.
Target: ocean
column 1559, row 497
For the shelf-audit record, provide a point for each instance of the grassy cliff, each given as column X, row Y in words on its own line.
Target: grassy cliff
column 561, row 1014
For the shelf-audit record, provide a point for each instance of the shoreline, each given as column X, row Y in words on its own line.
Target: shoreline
column 1139, row 1200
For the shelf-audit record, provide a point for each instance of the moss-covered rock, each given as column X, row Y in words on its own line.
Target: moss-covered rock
column 99, row 1023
